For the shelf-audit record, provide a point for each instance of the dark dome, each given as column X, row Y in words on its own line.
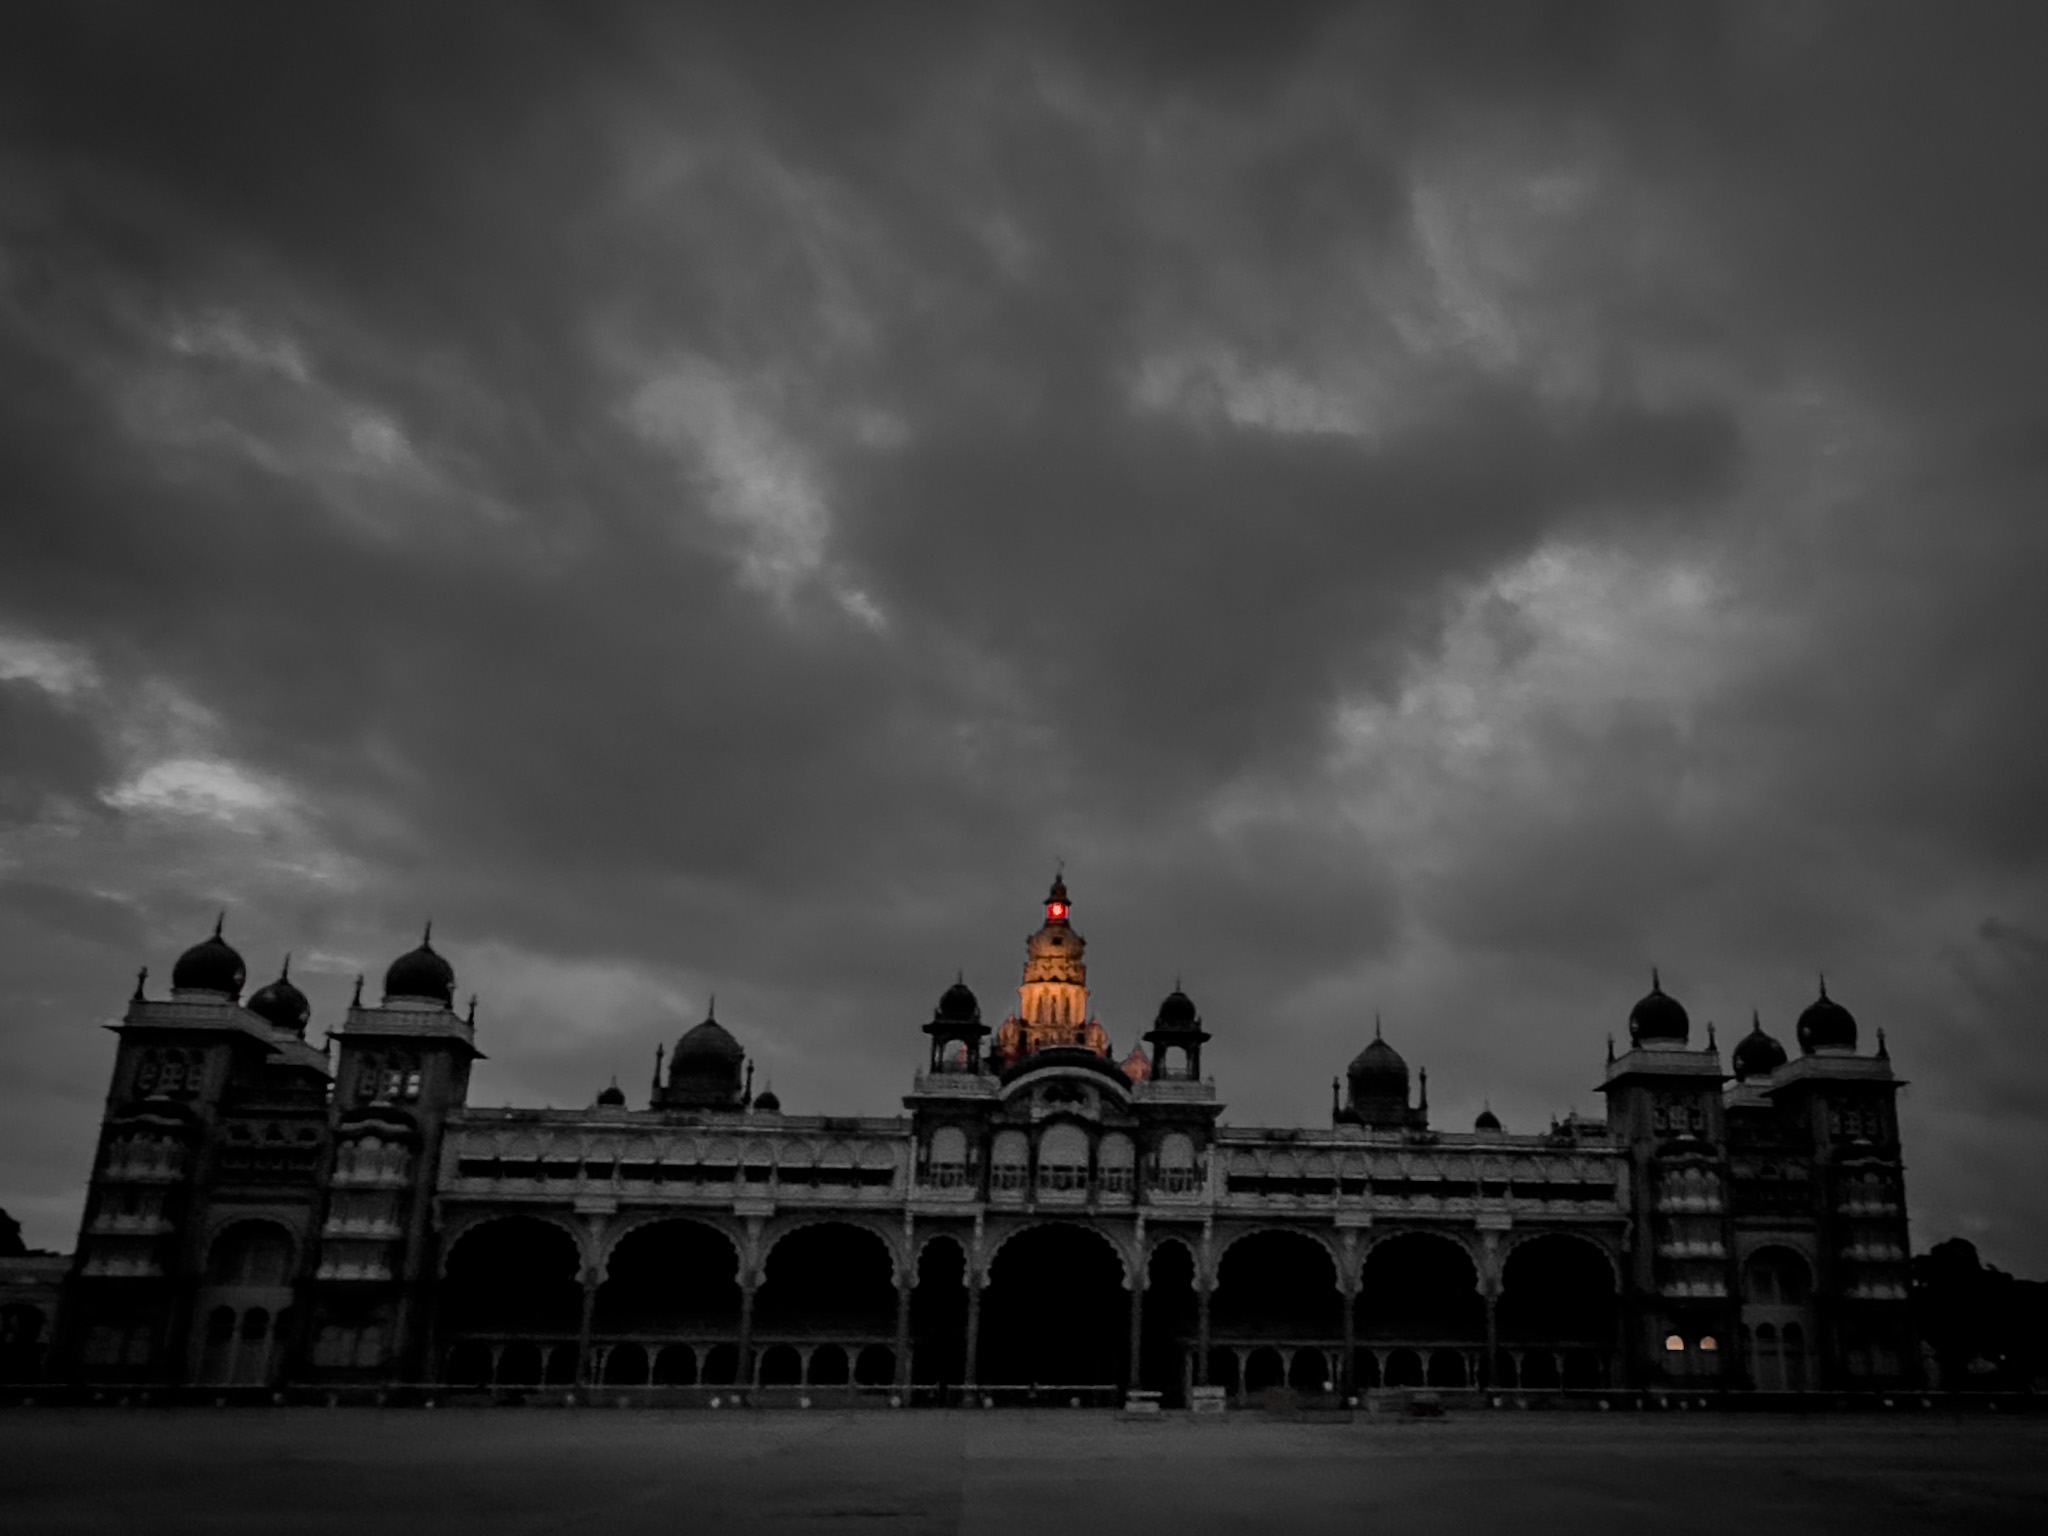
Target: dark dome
column 708, row 1047
column 281, row 1003
column 958, row 1005
column 613, row 1097
column 1756, row 1054
column 767, row 1103
column 210, row 966
column 1379, row 1066
column 1826, row 1025
column 1658, row 1017
column 421, row 974
column 1487, row 1121
column 1177, row 1012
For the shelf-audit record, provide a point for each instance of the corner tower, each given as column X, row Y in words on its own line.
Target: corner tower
column 1052, row 999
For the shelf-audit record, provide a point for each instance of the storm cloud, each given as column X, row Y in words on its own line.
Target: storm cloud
column 1426, row 508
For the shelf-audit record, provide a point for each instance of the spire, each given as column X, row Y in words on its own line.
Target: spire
column 1333, row 1098
column 711, row 1012
column 748, row 1096
column 140, row 977
column 357, row 1000
column 1610, row 1048
column 1756, row 1022
column 284, row 972
column 1823, row 984
column 220, row 921
column 1656, row 985
column 427, row 935
column 1710, row 1035
column 1883, row 1051
column 472, row 1009
column 1423, row 1106
column 1375, row 1023
column 658, row 1049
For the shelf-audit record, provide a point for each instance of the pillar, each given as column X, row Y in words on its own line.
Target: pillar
column 1492, row 1341
column 903, row 1374
column 973, row 1327
column 1137, row 1331
column 744, row 1376
column 1344, row 1367
column 584, row 1375
column 1201, row 1335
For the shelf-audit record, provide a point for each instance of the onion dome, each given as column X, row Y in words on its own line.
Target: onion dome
column 708, row 1046
column 210, row 966
column 422, row 975
column 1487, row 1121
column 1177, row 1011
column 281, row 1004
column 1378, row 1072
column 958, row 1005
column 613, row 1097
column 1825, row 1025
column 768, row 1103
column 1135, row 1066
column 1756, row 1054
column 1658, row 1019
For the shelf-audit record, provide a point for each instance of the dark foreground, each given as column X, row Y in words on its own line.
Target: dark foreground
column 1063, row 1473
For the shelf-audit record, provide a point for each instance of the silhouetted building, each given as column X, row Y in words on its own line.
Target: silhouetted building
column 262, row 1210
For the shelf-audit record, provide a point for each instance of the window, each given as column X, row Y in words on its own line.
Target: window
column 147, row 1072
column 1708, row 1345
column 1674, row 1344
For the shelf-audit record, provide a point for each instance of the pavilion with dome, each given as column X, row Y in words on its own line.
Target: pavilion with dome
column 1045, row 1220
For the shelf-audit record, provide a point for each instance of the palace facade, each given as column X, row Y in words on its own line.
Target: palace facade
column 265, row 1212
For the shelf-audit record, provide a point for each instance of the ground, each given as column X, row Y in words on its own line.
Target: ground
column 513, row 1471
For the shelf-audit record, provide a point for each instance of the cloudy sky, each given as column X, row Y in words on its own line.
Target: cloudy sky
column 1428, row 508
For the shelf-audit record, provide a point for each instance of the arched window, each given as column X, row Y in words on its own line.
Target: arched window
column 1177, row 1171
column 1708, row 1344
column 948, row 1166
column 1063, row 1157
column 1674, row 1344
column 1009, row 1160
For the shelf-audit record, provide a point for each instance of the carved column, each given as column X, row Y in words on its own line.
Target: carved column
column 903, row 1375
column 1344, row 1370
column 1137, row 1330
column 1202, row 1333
column 973, row 1326
column 745, row 1374
column 591, row 1281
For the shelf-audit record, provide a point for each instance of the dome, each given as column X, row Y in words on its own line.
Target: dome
column 1378, row 1069
column 1756, row 1054
column 210, row 966
column 1659, row 1018
column 613, row 1097
column 709, row 1047
column 1177, row 1011
column 768, row 1103
column 1825, row 1025
column 1487, row 1121
column 282, row 1004
column 958, row 1005
column 421, row 974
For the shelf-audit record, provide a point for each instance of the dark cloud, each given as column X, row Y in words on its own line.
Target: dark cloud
column 1440, row 506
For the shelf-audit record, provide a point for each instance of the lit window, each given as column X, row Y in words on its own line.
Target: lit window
column 1675, row 1344
column 1708, row 1343
column 1056, row 909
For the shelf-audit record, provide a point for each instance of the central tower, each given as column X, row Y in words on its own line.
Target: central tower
column 1052, row 1000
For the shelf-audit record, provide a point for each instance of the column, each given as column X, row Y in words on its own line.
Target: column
column 1137, row 1331
column 584, row 1375
column 1492, row 1341
column 1345, row 1384
column 1201, row 1334
column 903, row 1376
column 745, row 1374
column 973, row 1325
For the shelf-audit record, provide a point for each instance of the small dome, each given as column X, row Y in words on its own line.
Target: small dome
column 1177, row 1011
column 421, row 974
column 1378, row 1068
column 708, row 1047
column 613, row 1097
column 1826, row 1025
column 958, row 1005
column 1756, row 1054
column 281, row 1004
column 768, row 1103
column 210, row 966
column 1135, row 1066
column 1658, row 1018
column 1487, row 1121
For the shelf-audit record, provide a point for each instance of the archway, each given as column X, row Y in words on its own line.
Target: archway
column 1169, row 1332
column 675, row 1366
column 512, row 1275
column 1558, row 1302
column 1056, row 1312
column 1276, row 1285
column 834, row 1279
column 21, row 1342
column 1309, row 1371
column 781, row 1366
column 1263, row 1369
column 938, row 1315
column 875, row 1366
column 1777, row 1293
column 626, row 1366
column 829, row 1367
column 1420, row 1288
column 246, row 1298
column 670, row 1280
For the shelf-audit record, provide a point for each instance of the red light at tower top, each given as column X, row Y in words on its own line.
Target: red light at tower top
column 1055, row 909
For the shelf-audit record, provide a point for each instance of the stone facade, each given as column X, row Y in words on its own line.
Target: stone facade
column 1042, row 1215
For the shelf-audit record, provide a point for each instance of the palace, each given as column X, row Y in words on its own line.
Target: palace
column 263, row 1212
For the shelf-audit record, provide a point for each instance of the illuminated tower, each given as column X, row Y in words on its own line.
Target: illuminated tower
column 1052, row 1001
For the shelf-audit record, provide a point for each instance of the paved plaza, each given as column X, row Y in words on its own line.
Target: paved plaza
column 508, row 1471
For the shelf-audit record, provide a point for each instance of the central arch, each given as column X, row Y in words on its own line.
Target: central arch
column 1419, row 1317
column 1277, row 1284
column 667, row 1281
column 511, row 1303
column 1055, row 1312
column 1558, row 1314
column 828, row 1280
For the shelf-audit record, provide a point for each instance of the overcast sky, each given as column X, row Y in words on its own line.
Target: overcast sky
column 1431, row 508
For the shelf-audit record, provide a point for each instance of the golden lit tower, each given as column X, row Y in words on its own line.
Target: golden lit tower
column 1052, row 1001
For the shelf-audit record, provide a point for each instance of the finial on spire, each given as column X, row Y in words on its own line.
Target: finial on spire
column 659, row 1048
column 750, row 1080
column 284, row 972
column 1610, row 1048
column 1423, row 1074
column 1756, row 1021
column 220, row 921
column 1710, row 1034
column 427, row 935
column 472, row 1008
column 1823, row 984
column 1375, row 1023
column 1333, row 1098
column 711, row 1012
column 1656, row 983
column 140, row 977
column 1883, row 1050
column 357, row 1000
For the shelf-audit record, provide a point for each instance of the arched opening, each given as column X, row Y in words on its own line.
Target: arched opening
column 1223, row 1370
column 670, row 1281
column 1365, row 1370
column 1539, row 1370
column 249, row 1267
column 1309, row 1371
column 833, row 1278
column 1446, row 1368
column 1794, row 1342
column 829, row 1366
column 1420, row 1288
column 250, row 1253
column 1263, row 1369
column 675, row 1366
column 875, row 1366
column 21, row 1342
column 1277, row 1285
column 561, row 1369
column 1558, row 1297
column 1056, row 1312
column 1168, row 1335
column 781, row 1366
column 938, row 1315
column 519, row 1364
column 1776, row 1277
column 1777, row 1293
column 625, row 1365
column 1404, row 1368
column 509, row 1276
column 468, row 1365
column 721, row 1367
